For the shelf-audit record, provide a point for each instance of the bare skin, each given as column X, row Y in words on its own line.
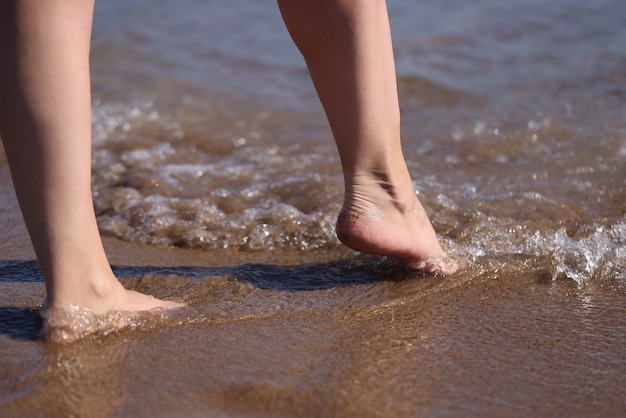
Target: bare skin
column 45, row 125
column 347, row 47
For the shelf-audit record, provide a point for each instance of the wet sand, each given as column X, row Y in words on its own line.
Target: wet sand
column 216, row 183
column 315, row 334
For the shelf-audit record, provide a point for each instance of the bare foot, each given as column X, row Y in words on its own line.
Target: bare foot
column 111, row 312
column 381, row 218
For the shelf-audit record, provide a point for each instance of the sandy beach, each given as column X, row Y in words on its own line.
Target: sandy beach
column 216, row 183
column 315, row 334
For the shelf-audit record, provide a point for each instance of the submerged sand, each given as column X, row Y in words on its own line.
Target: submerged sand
column 315, row 334
column 212, row 138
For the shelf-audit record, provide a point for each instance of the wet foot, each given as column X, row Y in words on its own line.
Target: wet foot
column 379, row 218
column 69, row 324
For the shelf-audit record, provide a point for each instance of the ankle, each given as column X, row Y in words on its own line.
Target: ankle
column 374, row 187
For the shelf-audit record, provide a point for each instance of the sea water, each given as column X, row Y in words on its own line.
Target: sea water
column 216, row 182
column 208, row 134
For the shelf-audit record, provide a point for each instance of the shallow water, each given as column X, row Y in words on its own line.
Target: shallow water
column 513, row 128
column 208, row 137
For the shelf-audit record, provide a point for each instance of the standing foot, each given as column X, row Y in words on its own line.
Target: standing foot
column 67, row 324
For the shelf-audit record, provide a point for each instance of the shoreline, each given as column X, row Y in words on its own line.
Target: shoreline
column 318, row 333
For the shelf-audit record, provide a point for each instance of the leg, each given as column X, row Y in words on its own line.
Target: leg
column 347, row 48
column 45, row 125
